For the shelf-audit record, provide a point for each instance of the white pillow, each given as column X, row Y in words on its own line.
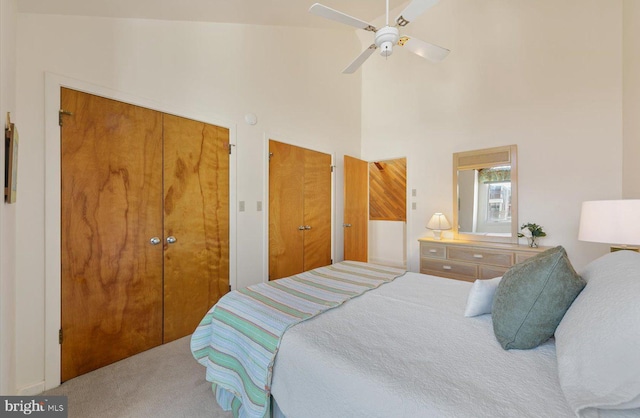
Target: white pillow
column 480, row 297
column 598, row 340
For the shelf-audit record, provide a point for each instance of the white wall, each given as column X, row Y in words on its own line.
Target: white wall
column 545, row 75
column 631, row 92
column 387, row 243
column 8, row 17
column 290, row 78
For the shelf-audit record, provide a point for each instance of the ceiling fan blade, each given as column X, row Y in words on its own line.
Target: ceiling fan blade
column 331, row 14
column 360, row 60
column 413, row 10
column 426, row 50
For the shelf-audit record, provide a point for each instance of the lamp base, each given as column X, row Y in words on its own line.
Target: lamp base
column 624, row 248
column 437, row 234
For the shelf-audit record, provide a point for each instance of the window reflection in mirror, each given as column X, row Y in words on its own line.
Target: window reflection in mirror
column 499, row 203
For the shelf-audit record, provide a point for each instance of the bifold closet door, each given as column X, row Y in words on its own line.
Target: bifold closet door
column 144, row 228
column 196, row 222
column 317, row 209
column 299, row 209
column 286, row 210
column 111, row 283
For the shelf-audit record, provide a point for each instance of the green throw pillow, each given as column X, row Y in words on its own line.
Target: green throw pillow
column 532, row 298
column 558, row 249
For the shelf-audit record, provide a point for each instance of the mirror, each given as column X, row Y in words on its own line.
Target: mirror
column 485, row 195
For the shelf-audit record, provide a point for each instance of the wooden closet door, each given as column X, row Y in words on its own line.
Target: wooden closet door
column 111, row 276
column 196, row 214
column 286, row 210
column 317, row 209
column 356, row 209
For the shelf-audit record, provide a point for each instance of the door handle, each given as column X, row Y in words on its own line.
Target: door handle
column 346, row 225
column 301, row 228
column 307, row 227
column 154, row 241
column 171, row 239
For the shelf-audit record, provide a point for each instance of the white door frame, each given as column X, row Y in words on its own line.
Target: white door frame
column 53, row 84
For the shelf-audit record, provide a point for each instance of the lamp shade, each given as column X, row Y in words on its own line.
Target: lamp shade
column 438, row 222
column 610, row 221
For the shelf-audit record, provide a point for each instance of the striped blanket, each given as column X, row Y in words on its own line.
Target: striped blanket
column 238, row 338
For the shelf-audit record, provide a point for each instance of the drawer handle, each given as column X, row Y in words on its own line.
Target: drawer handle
column 446, row 267
column 478, row 256
column 433, row 251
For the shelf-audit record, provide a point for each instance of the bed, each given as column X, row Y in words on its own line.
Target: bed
column 405, row 348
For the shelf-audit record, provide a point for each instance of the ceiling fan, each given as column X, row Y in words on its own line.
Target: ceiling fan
column 387, row 36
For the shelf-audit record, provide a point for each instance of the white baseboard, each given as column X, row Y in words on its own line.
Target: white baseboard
column 31, row 390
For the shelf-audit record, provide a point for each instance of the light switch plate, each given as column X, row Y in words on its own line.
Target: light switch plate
column 241, row 206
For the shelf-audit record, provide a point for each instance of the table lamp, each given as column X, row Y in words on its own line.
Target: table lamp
column 437, row 223
column 612, row 222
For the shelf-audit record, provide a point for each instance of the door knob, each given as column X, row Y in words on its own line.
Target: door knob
column 171, row 239
column 301, row 228
column 346, row 225
column 307, row 227
column 154, row 241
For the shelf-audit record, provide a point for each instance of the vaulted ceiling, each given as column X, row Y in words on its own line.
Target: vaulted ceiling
column 259, row 12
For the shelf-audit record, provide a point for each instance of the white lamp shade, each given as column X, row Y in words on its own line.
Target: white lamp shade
column 438, row 222
column 611, row 221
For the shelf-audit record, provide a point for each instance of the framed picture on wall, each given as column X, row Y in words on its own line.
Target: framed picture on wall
column 10, row 163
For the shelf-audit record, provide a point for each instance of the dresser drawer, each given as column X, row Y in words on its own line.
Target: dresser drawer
column 481, row 256
column 489, row 272
column 467, row 260
column 434, row 251
column 520, row 257
column 448, row 268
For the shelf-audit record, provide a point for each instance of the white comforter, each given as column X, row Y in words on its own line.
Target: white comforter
column 406, row 350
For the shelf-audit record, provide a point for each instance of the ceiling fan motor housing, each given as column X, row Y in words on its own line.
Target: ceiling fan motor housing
column 386, row 38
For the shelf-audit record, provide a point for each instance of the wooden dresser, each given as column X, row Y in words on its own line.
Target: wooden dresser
column 471, row 260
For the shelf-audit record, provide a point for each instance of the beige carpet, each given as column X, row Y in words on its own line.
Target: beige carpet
column 165, row 381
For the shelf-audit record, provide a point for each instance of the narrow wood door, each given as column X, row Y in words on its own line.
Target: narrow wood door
column 196, row 222
column 317, row 209
column 286, row 210
column 111, row 155
column 356, row 209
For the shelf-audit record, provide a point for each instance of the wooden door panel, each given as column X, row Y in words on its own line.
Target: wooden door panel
column 111, row 283
column 286, row 210
column 356, row 211
column 317, row 209
column 196, row 213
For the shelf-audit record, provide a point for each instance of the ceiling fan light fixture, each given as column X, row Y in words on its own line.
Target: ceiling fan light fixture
column 386, row 49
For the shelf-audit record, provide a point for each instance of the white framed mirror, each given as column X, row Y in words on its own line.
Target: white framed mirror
column 485, row 195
